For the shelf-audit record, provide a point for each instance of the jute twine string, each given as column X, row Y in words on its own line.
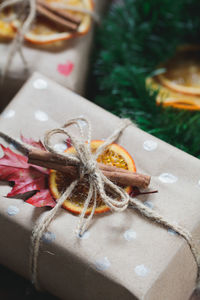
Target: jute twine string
column 30, row 7
column 17, row 43
column 86, row 161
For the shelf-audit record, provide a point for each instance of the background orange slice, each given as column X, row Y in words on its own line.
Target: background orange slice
column 114, row 155
column 6, row 29
column 179, row 86
column 168, row 97
column 183, row 72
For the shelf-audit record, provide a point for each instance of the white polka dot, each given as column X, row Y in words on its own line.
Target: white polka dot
column 149, row 204
column 130, row 235
column 1, row 152
column 150, row 145
column 8, row 114
column 102, row 264
column 41, row 116
column 82, row 123
column 12, row 210
column 168, row 178
column 172, row 232
column 12, row 146
column 141, row 270
column 40, row 84
column 61, row 147
column 84, row 236
column 48, row 237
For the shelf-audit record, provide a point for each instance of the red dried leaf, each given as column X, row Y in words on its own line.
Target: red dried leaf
column 33, row 143
column 27, row 181
column 26, row 178
column 42, row 198
column 12, row 159
column 68, row 142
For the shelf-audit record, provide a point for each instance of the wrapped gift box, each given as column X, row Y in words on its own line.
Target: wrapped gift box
column 122, row 255
column 65, row 62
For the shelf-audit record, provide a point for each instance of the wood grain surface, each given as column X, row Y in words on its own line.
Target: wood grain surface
column 15, row 287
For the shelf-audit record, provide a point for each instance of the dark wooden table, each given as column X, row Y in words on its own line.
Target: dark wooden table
column 13, row 287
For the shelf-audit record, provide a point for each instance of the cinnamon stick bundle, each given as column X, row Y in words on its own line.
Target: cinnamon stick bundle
column 58, row 16
column 117, row 175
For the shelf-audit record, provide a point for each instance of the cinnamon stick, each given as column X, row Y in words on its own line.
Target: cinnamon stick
column 60, row 12
column 53, row 17
column 117, row 175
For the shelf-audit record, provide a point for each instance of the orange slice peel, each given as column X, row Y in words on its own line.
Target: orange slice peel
column 114, row 155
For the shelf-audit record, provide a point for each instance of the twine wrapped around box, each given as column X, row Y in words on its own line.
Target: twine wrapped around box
column 86, row 161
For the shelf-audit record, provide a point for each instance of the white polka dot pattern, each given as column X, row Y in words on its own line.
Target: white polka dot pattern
column 130, row 235
column 40, row 84
column 84, row 236
column 12, row 210
column 8, row 114
column 168, row 178
column 149, row 204
column 150, row 145
column 141, row 270
column 82, row 123
column 41, row 116
column 103, row 264
column 1, row 152
column 12, row 146
column 172, row 232
column 48, row 237
column 61, row 147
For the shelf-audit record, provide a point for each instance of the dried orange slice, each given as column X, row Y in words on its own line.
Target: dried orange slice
column 183, row 72
column 44, row 31
column 6, row 29
column 114, row 155
column 168, row 97
column 179, row 86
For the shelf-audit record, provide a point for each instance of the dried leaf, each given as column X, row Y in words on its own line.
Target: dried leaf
column 42, row 198
column 15, row 168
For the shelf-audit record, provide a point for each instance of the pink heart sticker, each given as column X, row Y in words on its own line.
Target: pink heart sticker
column 65, row 69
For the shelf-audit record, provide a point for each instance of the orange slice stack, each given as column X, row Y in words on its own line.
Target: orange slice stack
column 44, row 31
column 114, row 155
column 179, row 86
column 6, row 29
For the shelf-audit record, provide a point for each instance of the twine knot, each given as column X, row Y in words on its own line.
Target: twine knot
column 88, row 169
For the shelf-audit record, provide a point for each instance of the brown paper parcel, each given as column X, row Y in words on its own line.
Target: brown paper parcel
column 122, row 255
column 46, row 60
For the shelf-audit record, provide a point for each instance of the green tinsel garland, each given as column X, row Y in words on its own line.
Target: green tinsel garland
column 134, row 39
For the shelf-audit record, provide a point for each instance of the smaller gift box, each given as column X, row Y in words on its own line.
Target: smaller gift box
column 65, row 62
column 122, row 255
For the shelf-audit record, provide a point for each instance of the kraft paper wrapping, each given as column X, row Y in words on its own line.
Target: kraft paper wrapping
column 122, row 255
column 72, row 56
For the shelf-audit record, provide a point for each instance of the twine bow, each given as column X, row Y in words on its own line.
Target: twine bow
column 86, row 161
